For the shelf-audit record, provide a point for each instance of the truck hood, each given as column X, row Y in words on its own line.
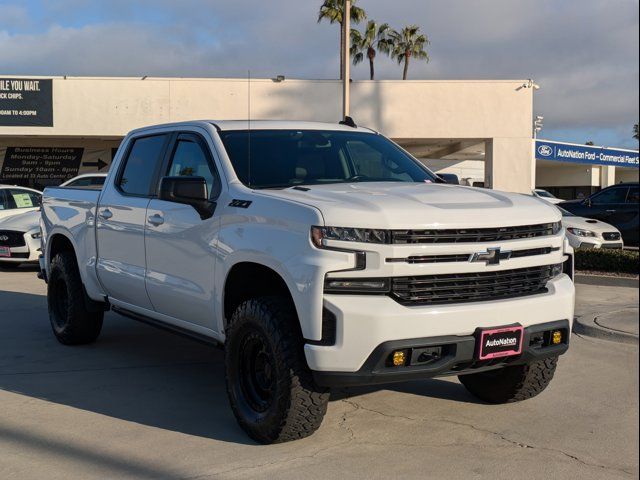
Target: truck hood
column 411, row 206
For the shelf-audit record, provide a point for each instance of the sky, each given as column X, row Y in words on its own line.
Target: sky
column 583, row 53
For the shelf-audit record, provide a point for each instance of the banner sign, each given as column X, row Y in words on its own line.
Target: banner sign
column 26, row 102
column 31, row 165
column 573, row 153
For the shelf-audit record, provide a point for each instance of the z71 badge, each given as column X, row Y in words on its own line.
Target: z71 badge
column 240, row 203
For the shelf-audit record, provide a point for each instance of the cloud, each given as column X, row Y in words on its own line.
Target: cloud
column 584, row 55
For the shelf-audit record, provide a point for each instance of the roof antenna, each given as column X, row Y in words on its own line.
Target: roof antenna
column 249, row 127
column 348, row 121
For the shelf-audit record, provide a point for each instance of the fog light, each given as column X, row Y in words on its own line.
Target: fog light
column 399, row 358
column 556, row 337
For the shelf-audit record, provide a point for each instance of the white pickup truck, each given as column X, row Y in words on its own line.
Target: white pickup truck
column 319, row 255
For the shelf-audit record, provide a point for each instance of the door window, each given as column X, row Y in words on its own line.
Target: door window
column 191, row 160
column 611, row 196
column 633, row 196
column 144, row 158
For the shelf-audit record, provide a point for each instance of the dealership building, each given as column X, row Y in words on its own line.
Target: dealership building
column 52, row 128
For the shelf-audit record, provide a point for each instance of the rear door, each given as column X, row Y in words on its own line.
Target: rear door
column 121, row 220
column 629, row 224
column 180, row 246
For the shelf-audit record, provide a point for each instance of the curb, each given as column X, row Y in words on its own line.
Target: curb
column 606, row 281
column 591, row 329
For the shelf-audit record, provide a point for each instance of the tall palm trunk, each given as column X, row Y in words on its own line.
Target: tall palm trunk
column 407, row 57
column 342, row 42
column 371, row 53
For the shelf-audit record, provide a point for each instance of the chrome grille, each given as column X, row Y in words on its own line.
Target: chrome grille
column 470, row 287
column 466, row 257
column 9, row 238
column 472, row 235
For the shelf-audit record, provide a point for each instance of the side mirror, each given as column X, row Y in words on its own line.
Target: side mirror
column 451, row 178
column 587, row 202
column 189, row 191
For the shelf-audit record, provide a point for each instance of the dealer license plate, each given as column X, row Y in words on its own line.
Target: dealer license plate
column 5, row 252
column 499, row 342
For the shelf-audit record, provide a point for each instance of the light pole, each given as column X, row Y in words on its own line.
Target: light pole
column 537, row 126
column 346, row 74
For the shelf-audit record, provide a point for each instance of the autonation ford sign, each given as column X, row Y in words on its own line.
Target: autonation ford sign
column 573, row 153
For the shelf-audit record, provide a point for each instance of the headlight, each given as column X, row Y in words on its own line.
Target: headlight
column 556, row 227
column 344, row 234
column 36, row 235
column 356, row 285
column 580, row 232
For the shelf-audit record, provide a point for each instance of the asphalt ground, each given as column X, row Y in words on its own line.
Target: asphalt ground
column 142, row 403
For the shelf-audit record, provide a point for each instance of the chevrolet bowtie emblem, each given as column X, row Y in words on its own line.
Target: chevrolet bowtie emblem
column 492, row 256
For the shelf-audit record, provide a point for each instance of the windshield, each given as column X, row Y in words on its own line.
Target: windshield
column 544, row 193
column 286, row 158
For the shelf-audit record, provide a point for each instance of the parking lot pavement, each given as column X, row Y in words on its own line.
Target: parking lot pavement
column 142, row 403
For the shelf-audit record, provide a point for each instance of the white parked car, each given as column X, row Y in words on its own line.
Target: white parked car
column 588, row 233
column 93, row 181
column 321, row 256
column 15, row 200
column 20, row 239
column 543, row 194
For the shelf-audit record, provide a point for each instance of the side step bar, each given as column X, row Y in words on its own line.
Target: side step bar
column 167, row 327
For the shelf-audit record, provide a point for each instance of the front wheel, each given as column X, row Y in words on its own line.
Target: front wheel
column 72, row 322
column 270, row 387
column 511, row 384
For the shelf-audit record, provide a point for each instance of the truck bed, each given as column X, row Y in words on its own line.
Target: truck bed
column 72, row 212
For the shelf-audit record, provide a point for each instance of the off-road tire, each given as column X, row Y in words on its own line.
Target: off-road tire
column 72, row 322
column 295, row 405
column 511, row 384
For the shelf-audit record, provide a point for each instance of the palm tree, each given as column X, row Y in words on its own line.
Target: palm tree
column 333, row 10
column 367, row 43
column 408, row 43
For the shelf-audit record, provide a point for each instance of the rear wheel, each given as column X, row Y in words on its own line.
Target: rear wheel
column 511, row 384
column 270, row 387
column 72, row 322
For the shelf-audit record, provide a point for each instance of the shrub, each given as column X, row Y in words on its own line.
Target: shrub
column 605, row 260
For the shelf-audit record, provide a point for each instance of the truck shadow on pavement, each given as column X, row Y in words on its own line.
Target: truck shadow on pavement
column 136, row 373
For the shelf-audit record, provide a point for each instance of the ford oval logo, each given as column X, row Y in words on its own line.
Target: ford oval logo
column 545, row 150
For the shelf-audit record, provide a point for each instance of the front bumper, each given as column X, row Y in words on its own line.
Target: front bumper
column 25, row 254
column 365, row 322
column 456, row 357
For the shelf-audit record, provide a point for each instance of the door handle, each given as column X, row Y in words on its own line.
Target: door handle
column 156, row 220
column 106, row 214
column 611, row 211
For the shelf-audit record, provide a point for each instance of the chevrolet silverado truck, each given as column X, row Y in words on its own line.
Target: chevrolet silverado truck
column 319, row 256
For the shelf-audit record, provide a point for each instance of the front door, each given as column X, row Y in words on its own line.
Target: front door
column 180, row 246
column 609, row 205
column 121, row 221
